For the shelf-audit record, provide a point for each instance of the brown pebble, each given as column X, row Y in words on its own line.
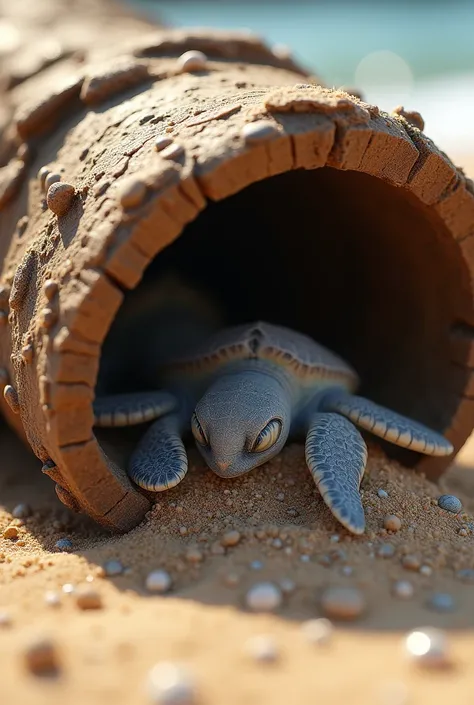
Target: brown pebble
column 60, row 197
column 392, row 522
column 88, row 599
column 47, row 318
column 411, row 562
column 50, row 289
column 50, row 179
column 342, row 603
column 132, row 192
column 27, row 353
column 11, row 532
column 231, row 538
column 194, row 555
column 41, row 657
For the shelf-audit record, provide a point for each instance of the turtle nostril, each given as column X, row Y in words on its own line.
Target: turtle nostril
column 222, row 466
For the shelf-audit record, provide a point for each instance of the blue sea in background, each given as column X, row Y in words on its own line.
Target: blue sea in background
column 416, row 53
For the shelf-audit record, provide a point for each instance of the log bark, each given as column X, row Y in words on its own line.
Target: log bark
column 368, row 229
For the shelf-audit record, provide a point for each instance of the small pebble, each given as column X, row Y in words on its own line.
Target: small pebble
column 262, row 648
column 287, row 586
column 60, row 197
column 52, row 598
column 88, row 599
column 21, row 511
column 426, row 570
column 173, row 152
column 42, row 174
column 347, row 570
column 158, row 581
column 41, row 657
column 318, row 631
column 256, row 565
column 403, row 589
column 386, row 550
column 277, row 543
column 50, row 288
column 392, row 523
column 162, row 142
column 231, row 538
column 68, row 588
column 441, row 602
column 194, row 555
column 5, row 619
column 335, row 538
column 343, row 603
column 428, row 647
column 113, row 567
column 171, row 684
column 450, row 503
column 466, row 574
column 50, row 179
column 382, row 494
column 231, row 579
column 264, row 597
column 132, row 191
column 63, row 545
column 411, row 562
column 192, row 61
column 11, row 532
column 259, row 131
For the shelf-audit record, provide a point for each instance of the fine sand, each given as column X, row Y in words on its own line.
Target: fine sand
column 104, row 655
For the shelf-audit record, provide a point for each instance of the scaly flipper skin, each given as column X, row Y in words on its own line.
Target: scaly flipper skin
column 387, row 424
column 119, row 410
column 159, row 461
column 336, row 456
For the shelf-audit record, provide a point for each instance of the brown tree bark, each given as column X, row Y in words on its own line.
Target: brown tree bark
column 374, row 226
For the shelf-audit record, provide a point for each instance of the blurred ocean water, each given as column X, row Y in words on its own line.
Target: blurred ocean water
column 418, row 53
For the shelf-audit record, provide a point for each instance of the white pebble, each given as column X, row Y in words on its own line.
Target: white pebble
column 403, row 589
column 262, row 648
column 426, row 570
column 382, row 494
column 68, row 588
column 171, row 684
column 263, row 597
column 428, row 647
column 318, row 631
column 52, row 598
column 259, row 131
column 158, row 581
column 192, row 61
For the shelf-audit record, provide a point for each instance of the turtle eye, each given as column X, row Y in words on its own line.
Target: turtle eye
column 267, row 436
column 198, row 433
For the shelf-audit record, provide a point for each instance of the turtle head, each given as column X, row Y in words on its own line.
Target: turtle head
column 242, row 421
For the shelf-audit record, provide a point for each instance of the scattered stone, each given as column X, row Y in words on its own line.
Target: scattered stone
column 466, row 575
column 386, row 550
column 304, row 558
column 256, row 565
column 231, row 579
column 192, row 61
column 132, row 191
column 158, row 581
column 411, row 562
column 262, row 648
column 50, row 179
column 392, row 522
column 194, row 555
column 264, row 597
column 50, row 288
column 52, row 598
column 64, row 545
column 89, row 599
column 463, row 531
column 41, row 657
column 382, row 494
column 287, row 586
column 173, row 152
column 5, row 619
column 60, row 197
column 171, row 684
column 231, row 538
column 162, row 142
column 22, row 511
column 112, row 568
column 68, row 588
column 403, row 589
column 259, row 131
column 11, row 532
column 450, row 503
column 42, row 174
column 426, row 570
column 347, row 570
column 343, row 602
column 428, row 647
column 441, row 602
column 318, row 631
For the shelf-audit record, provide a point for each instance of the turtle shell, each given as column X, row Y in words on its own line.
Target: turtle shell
column 309, row 362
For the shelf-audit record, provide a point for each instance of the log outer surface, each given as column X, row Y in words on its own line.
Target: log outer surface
column 144, row 145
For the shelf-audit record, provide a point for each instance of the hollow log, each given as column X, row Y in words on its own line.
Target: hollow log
column 292, row 202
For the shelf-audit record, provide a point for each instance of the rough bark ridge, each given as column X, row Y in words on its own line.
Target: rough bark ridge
column 146, row 138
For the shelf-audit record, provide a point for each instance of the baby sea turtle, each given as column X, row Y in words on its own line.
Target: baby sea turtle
column 244, row 393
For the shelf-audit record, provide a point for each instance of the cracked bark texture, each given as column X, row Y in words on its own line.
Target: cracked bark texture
column 147, row 147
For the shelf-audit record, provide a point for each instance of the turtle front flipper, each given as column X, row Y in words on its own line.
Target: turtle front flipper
column 336, row 456
column 387, row 424
column 159, row 461
column 118, row 410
